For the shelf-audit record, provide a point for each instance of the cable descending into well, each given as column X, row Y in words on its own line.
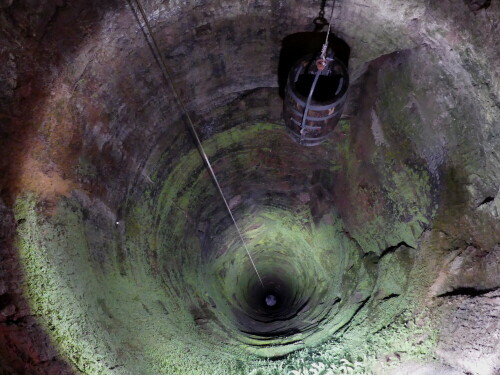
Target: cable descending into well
column 148, row 33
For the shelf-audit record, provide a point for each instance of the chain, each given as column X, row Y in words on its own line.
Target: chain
column 325, row 45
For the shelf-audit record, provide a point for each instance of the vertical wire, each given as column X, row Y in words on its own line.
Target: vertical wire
column 166, row 75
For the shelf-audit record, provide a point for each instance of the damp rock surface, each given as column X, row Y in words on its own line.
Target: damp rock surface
column 472, row 331
column 380, row 245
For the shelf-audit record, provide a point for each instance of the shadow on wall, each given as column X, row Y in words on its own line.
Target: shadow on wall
column 475, row 5
column 295, row 46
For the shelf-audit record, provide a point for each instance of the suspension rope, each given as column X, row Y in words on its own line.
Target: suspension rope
column 325, row 45
column 150, row 38
column 321, row 64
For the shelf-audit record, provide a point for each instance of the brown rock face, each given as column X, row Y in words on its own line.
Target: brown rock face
column 469, row 332
column 117, row 255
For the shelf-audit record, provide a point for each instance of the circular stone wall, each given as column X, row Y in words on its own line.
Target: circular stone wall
column 121, row 256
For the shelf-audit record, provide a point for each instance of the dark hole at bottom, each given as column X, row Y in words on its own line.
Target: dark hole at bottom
column 270, row 300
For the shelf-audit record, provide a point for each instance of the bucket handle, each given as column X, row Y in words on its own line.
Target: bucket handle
column 308, row 102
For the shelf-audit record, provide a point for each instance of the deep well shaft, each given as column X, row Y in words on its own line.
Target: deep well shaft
column 379, row 246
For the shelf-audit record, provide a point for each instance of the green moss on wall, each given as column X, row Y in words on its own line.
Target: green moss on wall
column 154, row 291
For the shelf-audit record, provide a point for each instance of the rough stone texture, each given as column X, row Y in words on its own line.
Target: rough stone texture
column 470, row 339
column 425, row 369
column 110, row 191
column 472, row 270
column 25, row 347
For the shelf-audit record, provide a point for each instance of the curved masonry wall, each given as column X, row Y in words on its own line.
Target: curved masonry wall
column 120, row 255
